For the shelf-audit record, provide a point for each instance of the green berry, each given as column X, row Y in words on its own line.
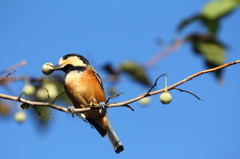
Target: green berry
column 52, row 89
column 42, row 94
column 20, row 116
column 165, row 98
column 47, row 68
column 144, row 101
column 29, row 89
column 47, row 89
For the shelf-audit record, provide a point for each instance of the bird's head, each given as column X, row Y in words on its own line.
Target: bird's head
column 71, row 62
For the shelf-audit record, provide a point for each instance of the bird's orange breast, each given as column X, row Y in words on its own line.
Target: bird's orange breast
column 84, row 88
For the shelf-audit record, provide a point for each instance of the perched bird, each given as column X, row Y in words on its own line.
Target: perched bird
column 84, row 86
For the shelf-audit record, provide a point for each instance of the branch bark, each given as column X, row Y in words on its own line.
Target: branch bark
column 125, row 103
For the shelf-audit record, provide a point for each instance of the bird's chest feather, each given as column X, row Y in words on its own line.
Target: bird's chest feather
column 83, row 88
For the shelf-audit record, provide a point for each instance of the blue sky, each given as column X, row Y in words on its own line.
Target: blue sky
column 114, row 31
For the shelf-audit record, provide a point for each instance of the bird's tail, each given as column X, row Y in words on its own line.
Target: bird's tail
column 114, row 140
column 104, row 128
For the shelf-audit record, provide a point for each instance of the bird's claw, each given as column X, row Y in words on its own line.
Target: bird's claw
column 103, row 109
column 71, row 110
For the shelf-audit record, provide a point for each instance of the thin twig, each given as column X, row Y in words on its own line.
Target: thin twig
column 111, row 105
column 189, row 93
column 160, row 55
column 19, row 97
column 117, row 95
column 155, row 83
column 57, row 97
column 128, row 106
column 20, row 64
column 8, row 75
column 41, row 114
column 47, row 93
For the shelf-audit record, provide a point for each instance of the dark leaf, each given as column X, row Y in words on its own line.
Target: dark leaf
column 135, row 71
column 188, row 21
column 109, row 68
column 112, row 73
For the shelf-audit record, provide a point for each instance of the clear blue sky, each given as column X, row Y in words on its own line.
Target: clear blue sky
column 103, row 31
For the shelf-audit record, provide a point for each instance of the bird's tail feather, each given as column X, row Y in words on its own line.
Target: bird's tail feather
column 101, row 131
column 114, row 140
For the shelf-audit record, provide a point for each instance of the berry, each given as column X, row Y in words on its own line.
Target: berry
column 145, row 101
column 20, row 116
column 47, row 68
column 29, row 89
column 165, row 98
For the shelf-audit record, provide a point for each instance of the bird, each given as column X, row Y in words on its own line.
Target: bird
column 84, row 87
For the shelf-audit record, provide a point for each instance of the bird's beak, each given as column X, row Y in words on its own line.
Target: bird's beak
column 57, row 67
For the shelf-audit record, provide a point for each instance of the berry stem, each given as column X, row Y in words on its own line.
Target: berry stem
column 166, row 82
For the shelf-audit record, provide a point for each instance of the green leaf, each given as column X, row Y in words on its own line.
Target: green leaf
column 210, row 49
column 213, row 53
column 217, row 9
column 135, row 71
column 212, row 25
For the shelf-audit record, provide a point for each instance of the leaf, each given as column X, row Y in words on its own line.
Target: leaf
column 135, row 71
column 210, row 49
column 112, row 73
column 212, row 52
column 188, row 21
column 212, row 25
column 217, row 9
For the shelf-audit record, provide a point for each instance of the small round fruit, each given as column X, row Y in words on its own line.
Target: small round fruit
column 145, row 101
column 42, row 94
column 52, row 90
column 29, row 89
column 47, row 68
column 20, row 116
column 165, row 98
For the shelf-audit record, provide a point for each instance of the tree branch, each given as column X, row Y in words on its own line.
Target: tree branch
column 111, row 105
column 176, row 84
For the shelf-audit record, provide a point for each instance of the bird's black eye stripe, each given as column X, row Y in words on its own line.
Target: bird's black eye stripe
column 77, row 55
column 77, row 68
column 68, row 68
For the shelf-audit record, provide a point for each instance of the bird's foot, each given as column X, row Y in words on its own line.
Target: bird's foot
column 71, row 110
column 103, row 109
